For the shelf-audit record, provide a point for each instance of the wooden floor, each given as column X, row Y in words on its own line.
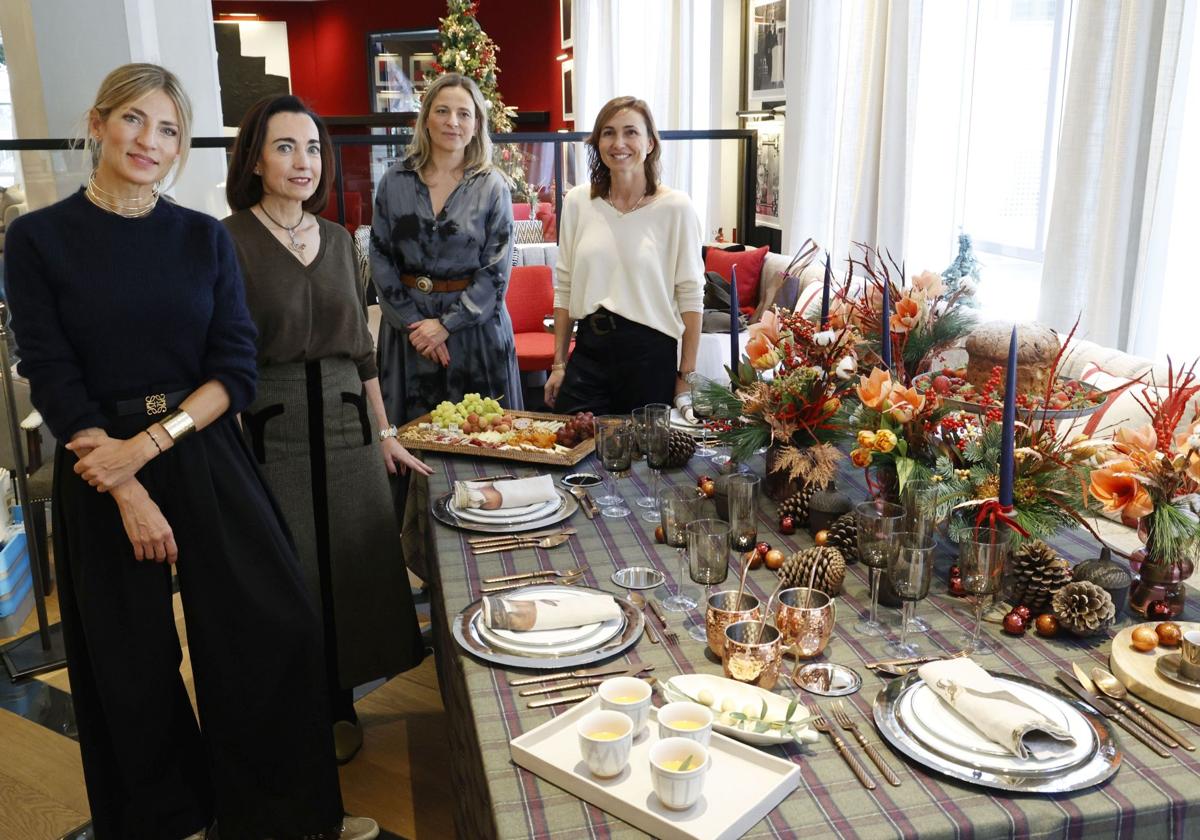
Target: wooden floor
column 403, row 761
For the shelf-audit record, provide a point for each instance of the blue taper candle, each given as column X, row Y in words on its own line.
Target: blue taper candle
column 825, row 292
column 1007, row 441
column 734, row 352
column 885, row 337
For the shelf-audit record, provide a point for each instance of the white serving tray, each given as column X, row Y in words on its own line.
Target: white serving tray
column 744, row 784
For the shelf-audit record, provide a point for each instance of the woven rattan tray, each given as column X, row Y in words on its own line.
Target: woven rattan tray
column 559, row 457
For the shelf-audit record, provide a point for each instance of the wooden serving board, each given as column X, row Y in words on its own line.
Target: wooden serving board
column 1136, row 670
column 559, row 456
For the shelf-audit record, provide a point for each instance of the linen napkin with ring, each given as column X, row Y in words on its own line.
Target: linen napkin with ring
column 547, row 612
column 994, row 711
column 492, row 495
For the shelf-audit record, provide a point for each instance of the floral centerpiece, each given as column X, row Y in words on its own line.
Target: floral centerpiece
column 1151, row 476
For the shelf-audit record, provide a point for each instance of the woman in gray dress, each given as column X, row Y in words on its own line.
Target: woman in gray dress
column 441, row 254
column 317, row 427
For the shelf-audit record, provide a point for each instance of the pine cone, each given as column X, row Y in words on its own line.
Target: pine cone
column 796, row 505
column 1038, row 572
column 831, row 569
column 843, row 535
column 680, row 449
column 1083, row 608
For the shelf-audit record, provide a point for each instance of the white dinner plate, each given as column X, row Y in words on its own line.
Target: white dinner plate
column 504, row 516
column 551, row 642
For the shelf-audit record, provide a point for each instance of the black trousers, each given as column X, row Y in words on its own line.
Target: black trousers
column 261, row 759
column 617, row 365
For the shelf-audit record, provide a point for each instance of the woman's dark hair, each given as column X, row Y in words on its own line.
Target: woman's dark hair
column 601, row 178
column 243, row 188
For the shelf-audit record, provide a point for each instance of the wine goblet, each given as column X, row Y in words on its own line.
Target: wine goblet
column 879, row 524
column 910, row 570
column 614, row 448
column 702, row 408
column 708, row 563
column 658, row 438
column 922, row 502
column 983, row 552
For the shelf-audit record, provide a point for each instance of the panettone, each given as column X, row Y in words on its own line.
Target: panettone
column 987, row 347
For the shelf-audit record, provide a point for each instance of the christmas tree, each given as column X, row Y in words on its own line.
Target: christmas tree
column 965, row 268
column 466, row 49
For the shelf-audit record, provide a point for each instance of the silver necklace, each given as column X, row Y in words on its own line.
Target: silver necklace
column 298, row 247
column 621, row 212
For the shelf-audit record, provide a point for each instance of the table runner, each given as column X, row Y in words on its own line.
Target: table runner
column 1148, row 797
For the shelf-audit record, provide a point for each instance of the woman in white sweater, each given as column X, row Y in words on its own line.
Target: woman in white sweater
column 629, row 270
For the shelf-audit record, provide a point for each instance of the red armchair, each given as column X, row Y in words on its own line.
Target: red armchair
column 530, row 300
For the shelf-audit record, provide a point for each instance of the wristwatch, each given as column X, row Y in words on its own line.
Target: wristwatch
column 390, row 432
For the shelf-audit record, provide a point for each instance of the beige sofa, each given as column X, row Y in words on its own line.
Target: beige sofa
column 12, row 204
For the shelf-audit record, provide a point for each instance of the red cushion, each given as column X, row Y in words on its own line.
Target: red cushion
column 535, row 351
column 521, row 211
column 749, row 270
column 530, row 297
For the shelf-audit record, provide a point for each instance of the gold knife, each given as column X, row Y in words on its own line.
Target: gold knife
column 584, row 683
column 524, row 575
column 508, row 587
column 1112, row 714
column 532, row 535
column 602, row 671
column 555, row 701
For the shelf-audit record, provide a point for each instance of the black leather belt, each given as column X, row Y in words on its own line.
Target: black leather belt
column 602, row 322
column 151, row 405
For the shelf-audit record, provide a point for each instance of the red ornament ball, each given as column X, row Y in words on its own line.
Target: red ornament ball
column 1023, row 611
column 1158, row 609
column 1047, row 625
column 787, row 525
column 1014, row 624
column 956, row 586
column 763, row 548
column 955, row 571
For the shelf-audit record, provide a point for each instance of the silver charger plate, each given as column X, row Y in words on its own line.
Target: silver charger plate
column 463, row 630
column 442, row 513
column 1102, row 763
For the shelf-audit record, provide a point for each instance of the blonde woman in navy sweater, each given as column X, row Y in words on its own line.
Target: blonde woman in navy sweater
column 134, row 335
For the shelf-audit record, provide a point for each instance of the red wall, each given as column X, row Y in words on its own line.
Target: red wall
column 327, row 42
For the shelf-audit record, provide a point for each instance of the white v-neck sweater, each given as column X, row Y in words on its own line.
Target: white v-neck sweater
column 644, row 265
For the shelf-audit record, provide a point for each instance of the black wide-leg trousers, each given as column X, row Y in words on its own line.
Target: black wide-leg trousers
column 617, row 365
column 260, row 759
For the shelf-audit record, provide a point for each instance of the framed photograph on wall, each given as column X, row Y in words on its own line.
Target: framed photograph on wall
column 417, row 65
column 390, row 70
column 766, row 33
column 566, row 20
column 568, row 89
column 766, row 191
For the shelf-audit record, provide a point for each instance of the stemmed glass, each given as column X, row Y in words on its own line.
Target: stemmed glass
column 742, row 493
column 638, row 418
column 982, row 553
column 614, row 449
column 922, row 502
column 702, row 407
column 911, row 570
column 708, row 563
column 879, row 525
column 658, row 438
column 679, row 506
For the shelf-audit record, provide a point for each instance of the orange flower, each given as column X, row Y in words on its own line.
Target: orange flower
column 1136, row 440
column 906, row 404
column 764, row 335
column 1117, row 489
column 907, row 315
column 866, row 439
column 861, row 458
column 885, row 440
column 928, row 283
column 874, row 390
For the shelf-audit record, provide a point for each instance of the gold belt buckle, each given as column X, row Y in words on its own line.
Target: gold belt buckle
column 156, row 404
column 424, row 284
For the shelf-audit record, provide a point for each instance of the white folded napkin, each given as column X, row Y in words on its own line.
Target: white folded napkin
column 995, row 712
column 547, row 612
column 508, row 494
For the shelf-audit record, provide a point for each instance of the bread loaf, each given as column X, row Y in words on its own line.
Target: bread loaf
column 987, row 346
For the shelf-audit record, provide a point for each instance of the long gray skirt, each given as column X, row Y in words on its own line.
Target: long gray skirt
column 316, row 442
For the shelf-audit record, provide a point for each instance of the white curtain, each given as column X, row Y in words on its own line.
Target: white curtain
column 851, row 94
column 659, row 51
column 1104, row 242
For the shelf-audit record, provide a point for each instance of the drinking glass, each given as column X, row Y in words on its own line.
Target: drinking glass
column 708, row 563
column 658, row 438
column 742, row 492
column 911, row 570
column 684, row 598
column 638, row 419
column 921, row 501
column 983, row 552
column 879, row 524
column 702, row 408
column 679, row 505
column 614, row 448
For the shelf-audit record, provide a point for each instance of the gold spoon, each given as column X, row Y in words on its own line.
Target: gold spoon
column 639, row 601
column 1114, row 688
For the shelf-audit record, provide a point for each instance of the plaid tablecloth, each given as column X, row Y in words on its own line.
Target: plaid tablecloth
column 1149, row 796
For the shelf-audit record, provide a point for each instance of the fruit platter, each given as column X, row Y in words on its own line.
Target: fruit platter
column 478, row 427
column 1070, row 398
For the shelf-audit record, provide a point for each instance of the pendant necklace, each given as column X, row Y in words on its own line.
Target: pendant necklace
column 621, row 212
column 298, row 247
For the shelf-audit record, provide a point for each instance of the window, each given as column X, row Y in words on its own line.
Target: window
column 990, row 89
column 8, row 160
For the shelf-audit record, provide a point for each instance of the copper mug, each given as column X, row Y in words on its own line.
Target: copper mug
column 717, row 616
column 805, row 630
column 753, row 653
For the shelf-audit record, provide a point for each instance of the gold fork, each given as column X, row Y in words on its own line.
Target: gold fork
column 538, row 574
column 667, row 633
column 821, row 725
column 846, row 722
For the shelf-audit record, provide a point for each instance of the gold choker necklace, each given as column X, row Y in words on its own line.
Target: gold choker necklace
column 128, row 208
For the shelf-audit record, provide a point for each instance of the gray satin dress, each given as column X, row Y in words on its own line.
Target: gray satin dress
column 471, row 236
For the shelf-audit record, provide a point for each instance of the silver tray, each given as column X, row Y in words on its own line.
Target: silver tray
column 1023, row 414
column 443, row 514
column 463, row 632
column 1105, row 760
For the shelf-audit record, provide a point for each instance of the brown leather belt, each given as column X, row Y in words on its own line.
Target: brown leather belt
column 423, row 283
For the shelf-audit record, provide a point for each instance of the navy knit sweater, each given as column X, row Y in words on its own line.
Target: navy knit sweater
column 107, row 308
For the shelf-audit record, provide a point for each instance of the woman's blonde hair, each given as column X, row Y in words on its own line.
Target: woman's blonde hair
column 478, row 154
column 129, row 83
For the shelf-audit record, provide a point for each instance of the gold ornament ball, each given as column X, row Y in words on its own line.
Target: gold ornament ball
column 821, row 537
column 774, row 559
column 1144, row 638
